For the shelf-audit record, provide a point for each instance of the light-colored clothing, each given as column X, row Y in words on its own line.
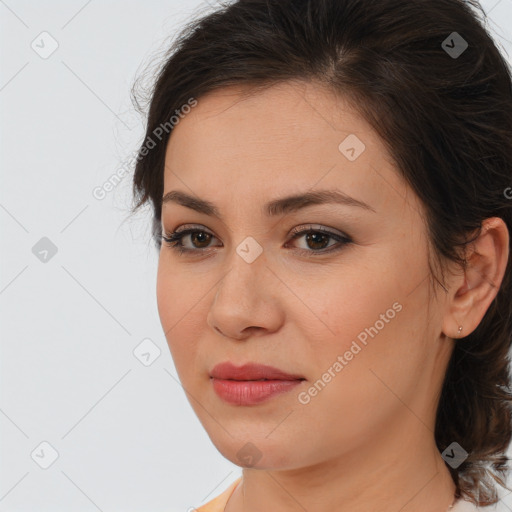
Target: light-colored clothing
column 218, row 503
column 467, row 506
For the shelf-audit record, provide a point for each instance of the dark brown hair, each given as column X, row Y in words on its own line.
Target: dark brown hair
column 446, row 119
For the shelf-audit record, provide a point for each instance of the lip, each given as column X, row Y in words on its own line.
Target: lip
column 250, row 371
column 251, row 383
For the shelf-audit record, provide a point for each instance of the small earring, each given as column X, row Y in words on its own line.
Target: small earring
column 460, row 330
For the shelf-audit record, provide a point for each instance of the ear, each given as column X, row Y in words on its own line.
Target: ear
column 472, row 293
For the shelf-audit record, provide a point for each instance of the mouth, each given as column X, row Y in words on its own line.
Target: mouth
column 251, row 384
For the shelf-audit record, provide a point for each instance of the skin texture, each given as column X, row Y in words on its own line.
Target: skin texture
column 366, row 440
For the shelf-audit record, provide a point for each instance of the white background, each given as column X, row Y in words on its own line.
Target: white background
column 126, row 436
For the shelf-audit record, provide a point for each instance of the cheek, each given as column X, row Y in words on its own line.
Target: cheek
column 353, row 385
column 333, row 315
column 372, row 320
column 377, row 348
column 179, row 308
column 178, row 293
column 167, row 290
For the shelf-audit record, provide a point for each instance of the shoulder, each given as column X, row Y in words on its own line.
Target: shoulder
column 218, row 503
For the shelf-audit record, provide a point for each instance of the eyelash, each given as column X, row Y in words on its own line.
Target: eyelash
column 173, row 240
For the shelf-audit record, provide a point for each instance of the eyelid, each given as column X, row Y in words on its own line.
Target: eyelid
column 318, row 227
column 297, row 229
column 173, row 240
column 199, row 227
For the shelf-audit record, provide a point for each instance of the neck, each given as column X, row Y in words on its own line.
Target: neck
column 406, row 474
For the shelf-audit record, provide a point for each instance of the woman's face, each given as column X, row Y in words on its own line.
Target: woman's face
column 352, row 319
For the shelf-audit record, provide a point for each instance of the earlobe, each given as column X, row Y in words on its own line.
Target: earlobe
column 486, row 264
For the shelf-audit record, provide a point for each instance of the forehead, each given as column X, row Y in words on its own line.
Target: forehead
column 287, row 119
column 284, row 139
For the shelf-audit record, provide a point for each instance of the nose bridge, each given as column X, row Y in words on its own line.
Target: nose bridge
column 247, row 266
column 246, row 300
column 242, row 296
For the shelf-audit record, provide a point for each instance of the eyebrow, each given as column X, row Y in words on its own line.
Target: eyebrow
column 272, row 208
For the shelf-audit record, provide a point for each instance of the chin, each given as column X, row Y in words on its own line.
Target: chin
column 257, row 452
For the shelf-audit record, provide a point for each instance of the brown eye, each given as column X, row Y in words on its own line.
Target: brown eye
column 201, row 238
column 317, row 240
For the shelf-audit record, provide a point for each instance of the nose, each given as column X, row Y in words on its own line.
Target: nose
column 246, row 301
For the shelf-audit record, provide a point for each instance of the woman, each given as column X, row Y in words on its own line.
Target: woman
column 331, row 189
